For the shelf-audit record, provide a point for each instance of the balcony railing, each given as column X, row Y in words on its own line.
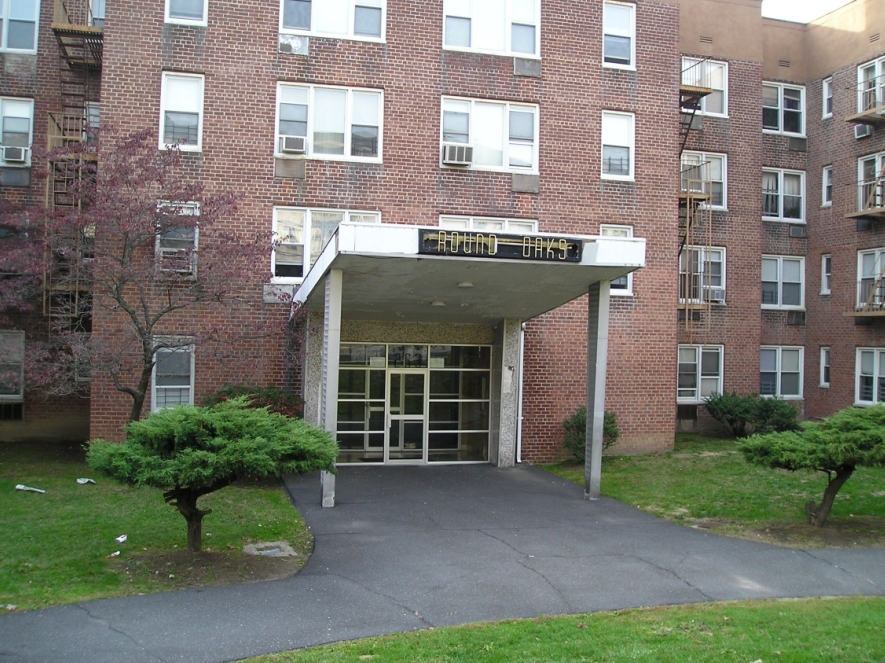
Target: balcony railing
column 695, row 180
column 870, row 100
column 870, row 297
column 698, row 75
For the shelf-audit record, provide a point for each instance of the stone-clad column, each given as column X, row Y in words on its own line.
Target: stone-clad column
column 597, row 359
column 510, row 381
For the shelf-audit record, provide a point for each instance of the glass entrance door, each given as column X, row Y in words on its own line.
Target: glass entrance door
column 406, row 416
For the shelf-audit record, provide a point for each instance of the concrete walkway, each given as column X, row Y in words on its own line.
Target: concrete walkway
column 412, row 547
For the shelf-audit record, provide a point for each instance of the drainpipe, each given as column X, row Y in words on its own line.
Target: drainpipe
column 519, row 387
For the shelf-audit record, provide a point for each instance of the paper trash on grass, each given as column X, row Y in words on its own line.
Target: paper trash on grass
column 115, row 554
column 84, row 481
column 121, row 539
column 22, row 486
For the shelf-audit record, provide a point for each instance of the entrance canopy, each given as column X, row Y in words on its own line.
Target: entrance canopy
column 418, row 274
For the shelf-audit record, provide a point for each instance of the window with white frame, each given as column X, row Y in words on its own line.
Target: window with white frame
column 508, row 27
column 827, row 97
column 300, row 235
column 702, row 274
column 619, row 35
column 699, row 373
column 705, row 172
column 783, row 282
column 335, row 123
column 870, row 273
column 698, row 72
column 504, row 136
column 871, row 182
column 783, row 195
column 96, row 13
column 12, row 366
column 348, row 19
column 780, row 371
column 18, row 25
column 16, row 131
column 173, row 375
column 188, row 12
column 826, row 186
column 869, row 371
column 181, row 111
column 487, row 224
column 871, row 85
column 176, row 246
column 618, row 136
column 826, row 273
column 623, row 285
column 824, row 367
column 783, row 109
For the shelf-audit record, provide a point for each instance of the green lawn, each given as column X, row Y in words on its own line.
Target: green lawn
column 706, row 479
column 805, row 631
column 54, row 547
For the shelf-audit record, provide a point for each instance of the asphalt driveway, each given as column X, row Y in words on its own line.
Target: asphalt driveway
column 408, row 548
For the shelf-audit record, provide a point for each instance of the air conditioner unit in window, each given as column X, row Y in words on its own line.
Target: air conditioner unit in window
column 15, row 154
column 862, row 131
column 455, row 154
column 177, row 261
column 293, row 144
column 716, row 295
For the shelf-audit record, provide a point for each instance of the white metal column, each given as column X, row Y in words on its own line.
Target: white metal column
column 331, row 350
column 597, row 359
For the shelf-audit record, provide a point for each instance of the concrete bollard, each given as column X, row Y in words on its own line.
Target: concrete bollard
column 327, row 481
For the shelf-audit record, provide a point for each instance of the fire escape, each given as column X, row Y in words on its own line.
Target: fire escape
column 66, row 282
column 696, row 291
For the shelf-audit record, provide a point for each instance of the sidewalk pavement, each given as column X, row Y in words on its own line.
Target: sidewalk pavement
column 408, row 548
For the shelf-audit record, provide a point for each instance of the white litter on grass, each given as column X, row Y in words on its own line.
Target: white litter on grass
column 270, row 549
column 121, row 539
column 11, row 607
column 115, row 554
column 22, row 486
column 84, row 481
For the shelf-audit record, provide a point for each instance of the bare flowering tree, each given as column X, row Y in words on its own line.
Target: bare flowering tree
column 132, row 238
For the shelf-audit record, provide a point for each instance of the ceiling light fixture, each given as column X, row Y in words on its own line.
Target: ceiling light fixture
column 437, row 302
column 465, row 284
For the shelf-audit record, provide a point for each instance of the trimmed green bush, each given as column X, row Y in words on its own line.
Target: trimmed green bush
column 273, row 398
column 575, row 428
column 747, row 414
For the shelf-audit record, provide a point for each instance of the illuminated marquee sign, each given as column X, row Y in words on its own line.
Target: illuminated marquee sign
column 470, row 244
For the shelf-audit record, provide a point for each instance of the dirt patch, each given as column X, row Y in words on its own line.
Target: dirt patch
column 182, row 569
column 854, row 532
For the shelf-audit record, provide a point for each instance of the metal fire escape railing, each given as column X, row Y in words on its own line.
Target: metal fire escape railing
column 694, row 85
column 696, row 288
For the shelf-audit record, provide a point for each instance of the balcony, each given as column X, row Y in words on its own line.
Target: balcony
column 870, row 298
column 696, row 185
column 80, row 45
column 870, row 101
column 870, row 199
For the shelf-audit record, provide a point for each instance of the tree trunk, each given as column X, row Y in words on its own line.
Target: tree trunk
column 817, row 513
column 186, row 503
column 140, row 393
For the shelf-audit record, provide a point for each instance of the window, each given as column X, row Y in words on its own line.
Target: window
column 871, row 85
column 503, row 135
column 870, row 272
column 871, row 182
column 335, row 122
column 826, row 187
column 176, row 247
column 783, row 109
column 826, row 273
column 619, row 35
column 173, row 376
column 824, row 367
column 702, row 275
column 348, row 19
column 509, row 27
column 827, row 96
column 780, row 371
column 617, row 146
column 18, row 25
column 783, row 282
column 96, row 13
column 870, row 376
column 12, row 363
column 16, row 131
column 301, row 234
column 623, row 285
column 700, row 372
column 783, row 195
column 488, row 224
column 710, row 74
column 703, row 172
column 181, row 112
column 188, row 12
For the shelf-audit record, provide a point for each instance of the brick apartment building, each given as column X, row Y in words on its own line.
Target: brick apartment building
column 386, row 142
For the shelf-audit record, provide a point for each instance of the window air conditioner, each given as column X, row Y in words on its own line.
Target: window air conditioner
column 15, row 154
column 293, row 144
column 717, row 295
column 456, row 154
column 862, row 131
column 177, row 260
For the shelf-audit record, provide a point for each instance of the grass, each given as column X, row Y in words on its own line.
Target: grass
column 796, row 631
column 706, row 479
column 54, row 547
